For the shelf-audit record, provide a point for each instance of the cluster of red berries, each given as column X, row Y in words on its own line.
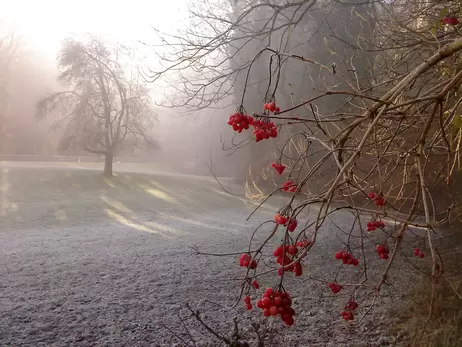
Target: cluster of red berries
column 350, row 307
column 418, row 253
column 285, row 255
column 264, row 130
column 451, row 20
column 279, row 219
column 275, row 303
column 289, row 186
column 374, row 224
column 379, row 199
column 240, row 122
column 382, row 251
column 279, row 167
column 335, row 287
column 245, row 261
column 346, row 258
column 272, row 107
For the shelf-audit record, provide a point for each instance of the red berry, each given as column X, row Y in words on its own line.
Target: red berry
column 338, row 255
column 277, row 301
column 268, row 291
column 292, row 250
column 260, row 304
column 371, row 195
column 253, row 264
column 266, row 302
column 247, row 299
column 287, row 185
column 421, row 255
column 351, row 305
column 380, row 201
column 280, row 219
column 266, row 312
column 279, row 167
column 274, row 311
column 335, row 287
column 249, row 306
column 278, row 251
column 244, row 258
column 289, row 321
column 347, row 315
column 292, row 225
column 451, row 20
column 255, row 284
column 298, row 270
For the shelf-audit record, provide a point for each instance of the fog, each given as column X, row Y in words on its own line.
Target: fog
column 191, row 132
column 188, row 140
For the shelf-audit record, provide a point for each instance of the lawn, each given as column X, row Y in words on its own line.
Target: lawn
column 89, row 261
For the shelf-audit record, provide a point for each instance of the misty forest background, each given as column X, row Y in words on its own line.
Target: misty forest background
column 193, row 134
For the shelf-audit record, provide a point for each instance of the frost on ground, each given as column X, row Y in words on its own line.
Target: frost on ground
column 94, row 262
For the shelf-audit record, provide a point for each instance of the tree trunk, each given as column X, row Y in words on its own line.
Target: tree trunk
column 108, row 160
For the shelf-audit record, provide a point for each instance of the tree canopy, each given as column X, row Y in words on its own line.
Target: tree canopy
column 103, row 108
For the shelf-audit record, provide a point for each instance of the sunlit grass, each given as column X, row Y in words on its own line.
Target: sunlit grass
column 161, row 195
column 117, row 205
column 159, row 228
column 122, row 220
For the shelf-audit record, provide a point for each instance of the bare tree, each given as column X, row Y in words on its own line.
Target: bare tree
column 102, row 108
column 384, row 112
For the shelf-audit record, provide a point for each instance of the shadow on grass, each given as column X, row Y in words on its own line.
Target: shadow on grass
column 157, row 204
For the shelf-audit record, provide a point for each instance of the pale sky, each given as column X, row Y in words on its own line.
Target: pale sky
column 44, row 23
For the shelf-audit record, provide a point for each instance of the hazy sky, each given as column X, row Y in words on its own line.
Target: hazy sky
column 44, row 23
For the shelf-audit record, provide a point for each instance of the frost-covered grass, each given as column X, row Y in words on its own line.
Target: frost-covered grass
column 88, row 261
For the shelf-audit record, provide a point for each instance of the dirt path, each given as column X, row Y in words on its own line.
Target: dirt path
column 93, row 262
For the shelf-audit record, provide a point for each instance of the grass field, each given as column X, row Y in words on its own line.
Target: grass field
column 89, row 261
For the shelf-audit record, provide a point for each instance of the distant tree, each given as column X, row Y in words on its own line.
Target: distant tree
column 9, row 51
column 102, row 108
